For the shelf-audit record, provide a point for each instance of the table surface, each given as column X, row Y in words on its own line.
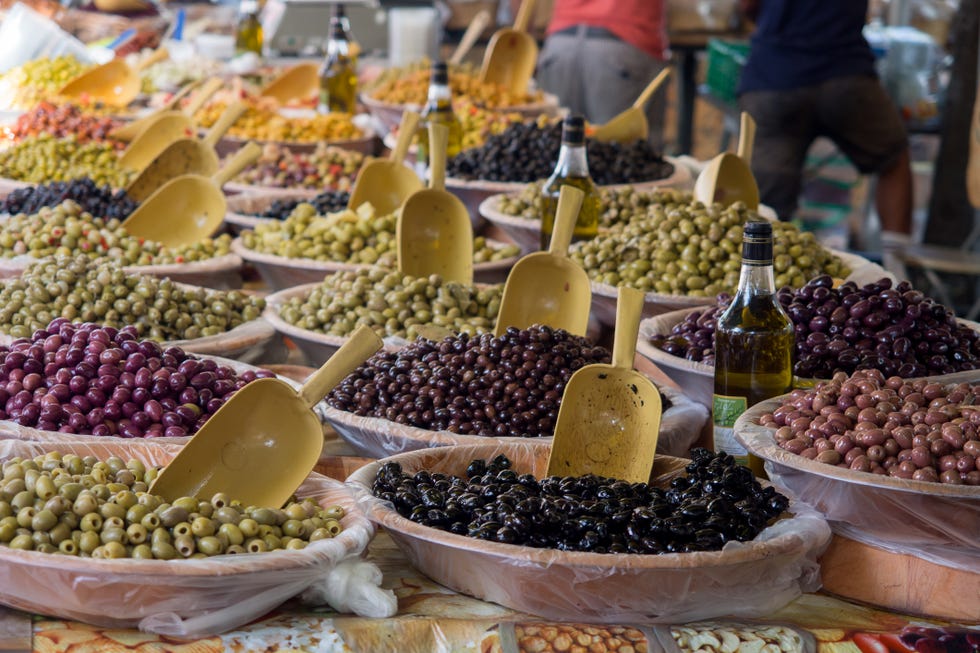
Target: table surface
column 433, row 619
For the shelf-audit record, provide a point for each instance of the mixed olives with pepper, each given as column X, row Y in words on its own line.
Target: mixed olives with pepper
column 718, row 501
column 72, row 505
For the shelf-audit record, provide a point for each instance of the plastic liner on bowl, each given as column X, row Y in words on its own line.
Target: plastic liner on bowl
column 376, row 437
column 744, row 579
column 935, row 521
column 191, row 598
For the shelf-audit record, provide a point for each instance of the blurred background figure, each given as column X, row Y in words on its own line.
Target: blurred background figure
column 600, row 54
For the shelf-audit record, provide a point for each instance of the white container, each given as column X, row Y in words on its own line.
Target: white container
column 26, row 35
column 413, row 34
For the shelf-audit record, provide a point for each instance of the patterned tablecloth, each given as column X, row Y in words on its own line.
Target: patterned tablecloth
column 433, row 619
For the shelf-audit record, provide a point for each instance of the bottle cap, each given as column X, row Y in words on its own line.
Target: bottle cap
column 757, row 242
column 440, row 72
column 338, row 11
column 573, row 129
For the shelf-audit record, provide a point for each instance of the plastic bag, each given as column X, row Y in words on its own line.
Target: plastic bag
column 744, row 579
column 376, row 437
column 942, row 530
column 186, row 598
column 26, row 35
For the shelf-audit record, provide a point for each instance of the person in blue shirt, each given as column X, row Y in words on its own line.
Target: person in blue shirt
column 810, row 73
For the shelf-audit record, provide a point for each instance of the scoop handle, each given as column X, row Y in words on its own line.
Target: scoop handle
column 406, row 132
column 524, row 15
column 175, row 99
column 438, row 141
column 566, row 214
column 359, row 347
column 651, row 88
column 472, row 33
column 231, row 113
column 629, row 308
column 156, row 56
column 201, row 98
column 245, row 156
column 746, row 138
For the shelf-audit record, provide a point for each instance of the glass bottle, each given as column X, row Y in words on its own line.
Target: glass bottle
column 572, row 169
column 248, row 34
column 754, row 342
column 338, row 75
column 353, row 47
column 439, row 110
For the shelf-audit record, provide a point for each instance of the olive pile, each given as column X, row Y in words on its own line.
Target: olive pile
column 690, row 249
column 528, row 151
column 392, row 304
column 896, row 330
column 83, row 378
column 70, row 505
column 479, row 385
column 617, row 205
column 329, row 201
column 926, row 639
column 717, row 502
column 38, row 79
column 100, row 201
column 410, row 85
column 325, row 167
column 67, row 230
column 346, row 237
column 44, row 158
column 79, row 288
column 869, row 423
column 263, row 122
column 60, row 121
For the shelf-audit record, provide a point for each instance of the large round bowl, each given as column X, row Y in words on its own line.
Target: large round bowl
column 921, row 552
column 159, row 595
column 12, row 430
column 751, row 578
column 246, row 211
column 219, row 273
column 375, row 437
column 473, row 193
column 390, row 114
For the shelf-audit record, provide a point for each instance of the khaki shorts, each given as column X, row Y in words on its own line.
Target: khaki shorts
column 854, row 112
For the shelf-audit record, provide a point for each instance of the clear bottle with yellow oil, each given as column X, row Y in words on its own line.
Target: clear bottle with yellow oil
column 248, row 33
column 754, row 343
column 572, row 169
column 439, row 110
column 338, row 75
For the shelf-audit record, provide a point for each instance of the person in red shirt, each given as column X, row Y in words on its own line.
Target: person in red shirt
column 600, row 54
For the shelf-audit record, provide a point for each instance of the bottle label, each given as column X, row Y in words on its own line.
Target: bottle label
column 724, row 411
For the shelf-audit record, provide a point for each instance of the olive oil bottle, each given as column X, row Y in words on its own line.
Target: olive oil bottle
column 439, row 110
column 338, row 75
column 248, row 34
column 753, row 344
column 572, row 169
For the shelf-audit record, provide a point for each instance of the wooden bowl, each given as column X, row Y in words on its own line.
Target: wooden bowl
column 587, row 587
column 390, row 114
column 474, row 193
column 155, row 594
column 918, row 529
column 375, row 437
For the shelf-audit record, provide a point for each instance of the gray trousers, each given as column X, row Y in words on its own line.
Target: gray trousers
column 599, row 77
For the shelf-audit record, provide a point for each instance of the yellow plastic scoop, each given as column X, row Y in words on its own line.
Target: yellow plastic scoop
column 387, row 183
column 547, row 287
column 131, row 130
column 154, row 140
column 728, row 177
column 472, row 33
column 297, row 83
column 609, row 419
column 265, row 440
column 188, row 208
column 113, row 83
column 511, row 54
column 185, row 156
column 433, row 230
column 631, row 124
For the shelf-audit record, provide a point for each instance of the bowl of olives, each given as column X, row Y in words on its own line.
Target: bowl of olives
column 590, row 548
column 141, row 561
column 250, row 209
column 319, row 317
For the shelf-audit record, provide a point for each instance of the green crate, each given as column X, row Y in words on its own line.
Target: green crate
column 725, row 62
